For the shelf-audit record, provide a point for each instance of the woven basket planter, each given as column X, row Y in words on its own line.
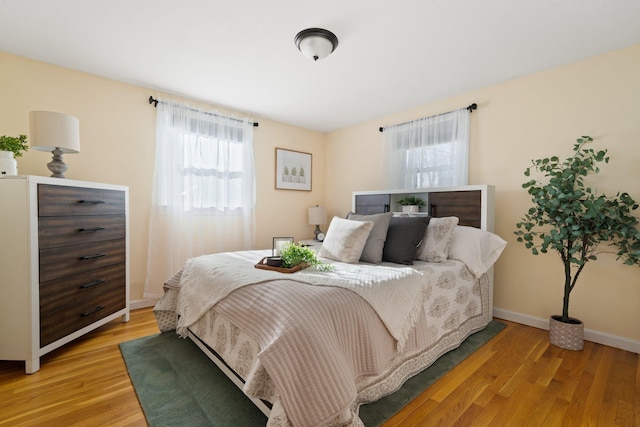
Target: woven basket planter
column 569, row 336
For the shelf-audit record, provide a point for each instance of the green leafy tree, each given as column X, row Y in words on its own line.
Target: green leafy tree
column 573, row 220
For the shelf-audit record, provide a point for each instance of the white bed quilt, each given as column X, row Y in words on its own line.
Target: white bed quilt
column 317, row 363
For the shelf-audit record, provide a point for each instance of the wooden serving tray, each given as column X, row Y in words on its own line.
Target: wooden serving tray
column 261, row 265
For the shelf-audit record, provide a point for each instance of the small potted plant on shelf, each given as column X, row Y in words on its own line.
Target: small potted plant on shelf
column 411, row 204
column 571, row 219
column 10, row 148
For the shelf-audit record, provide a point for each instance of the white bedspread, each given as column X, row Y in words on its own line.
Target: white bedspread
column 328, row 347
column 207, row 279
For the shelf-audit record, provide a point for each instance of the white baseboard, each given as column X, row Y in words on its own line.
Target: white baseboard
column 589, row 334
column 143, row 303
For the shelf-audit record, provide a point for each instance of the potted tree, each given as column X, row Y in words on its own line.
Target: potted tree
column 10, row 148
column 571, row 219
column 411, row 204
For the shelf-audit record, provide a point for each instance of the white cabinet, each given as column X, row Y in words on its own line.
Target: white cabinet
column 64, row 265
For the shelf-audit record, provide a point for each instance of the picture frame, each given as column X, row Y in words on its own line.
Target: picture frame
column 278, row 244
column 293, row 170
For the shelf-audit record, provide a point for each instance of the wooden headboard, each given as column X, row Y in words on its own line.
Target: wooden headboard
column 472, row 204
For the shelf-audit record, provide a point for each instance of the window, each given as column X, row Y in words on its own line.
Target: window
column 204, row 163
column 203, row 190
column 430, row 152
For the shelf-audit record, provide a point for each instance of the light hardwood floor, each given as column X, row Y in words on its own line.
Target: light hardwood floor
column 517, row 379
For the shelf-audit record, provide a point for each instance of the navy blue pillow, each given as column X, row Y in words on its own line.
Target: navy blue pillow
column 404, row 236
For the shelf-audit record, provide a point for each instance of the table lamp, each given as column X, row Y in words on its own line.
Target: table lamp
column 317, row 216
column 55, row 132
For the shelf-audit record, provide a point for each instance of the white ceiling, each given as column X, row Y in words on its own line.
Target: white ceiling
column 239, row 54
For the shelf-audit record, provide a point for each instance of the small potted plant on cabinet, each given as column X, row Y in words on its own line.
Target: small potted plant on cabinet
column 10, row 148
column 573, row 221
column 411, row 204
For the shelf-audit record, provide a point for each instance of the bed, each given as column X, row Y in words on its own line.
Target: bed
column 310, row 347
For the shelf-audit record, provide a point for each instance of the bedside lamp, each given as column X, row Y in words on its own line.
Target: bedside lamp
column 317, row 216
column 55, row 132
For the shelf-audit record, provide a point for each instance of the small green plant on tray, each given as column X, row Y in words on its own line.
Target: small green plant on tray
column 293, row 255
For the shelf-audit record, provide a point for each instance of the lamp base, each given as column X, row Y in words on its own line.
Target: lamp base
column 57, row 165
column 316, row 231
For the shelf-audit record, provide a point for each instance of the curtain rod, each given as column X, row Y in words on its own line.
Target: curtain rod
column 471, row 107
column 154, row 101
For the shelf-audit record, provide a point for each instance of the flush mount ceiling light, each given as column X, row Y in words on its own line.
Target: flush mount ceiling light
column 316, row 43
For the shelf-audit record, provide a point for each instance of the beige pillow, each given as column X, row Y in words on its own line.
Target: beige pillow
column 345, row 239
column 437, row 239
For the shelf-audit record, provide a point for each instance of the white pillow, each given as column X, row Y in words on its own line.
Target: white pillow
column 345, row 239
column 437, row 238
column 478, row 249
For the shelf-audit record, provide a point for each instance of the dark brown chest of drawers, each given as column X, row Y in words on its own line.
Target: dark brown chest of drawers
column 82, row 258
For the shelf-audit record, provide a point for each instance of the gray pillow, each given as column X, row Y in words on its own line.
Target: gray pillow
column 404, row 236
column 372, row 251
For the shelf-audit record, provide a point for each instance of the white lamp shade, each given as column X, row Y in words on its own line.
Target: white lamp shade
column 317, row 215
column 50, row 130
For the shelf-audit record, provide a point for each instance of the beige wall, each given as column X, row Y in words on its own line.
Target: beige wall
column 516, row 121
column 117, row 132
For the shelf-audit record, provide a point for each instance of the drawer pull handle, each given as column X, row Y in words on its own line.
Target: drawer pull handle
column 91, row 229
column 93, row 256
column 91, row 202
column 95, row 310
column 90, row 284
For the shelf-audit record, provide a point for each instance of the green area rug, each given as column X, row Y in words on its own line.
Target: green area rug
column 177, row 384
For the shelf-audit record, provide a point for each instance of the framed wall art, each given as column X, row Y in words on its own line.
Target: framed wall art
column 293, row 170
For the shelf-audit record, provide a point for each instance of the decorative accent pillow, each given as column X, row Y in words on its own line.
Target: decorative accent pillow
column 372, row 251
column 437, row 239
column 345, row 239
column 404, row 236
column 478, row 249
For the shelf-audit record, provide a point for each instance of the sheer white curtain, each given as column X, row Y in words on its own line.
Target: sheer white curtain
column 430, row 152
column 203, row 191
